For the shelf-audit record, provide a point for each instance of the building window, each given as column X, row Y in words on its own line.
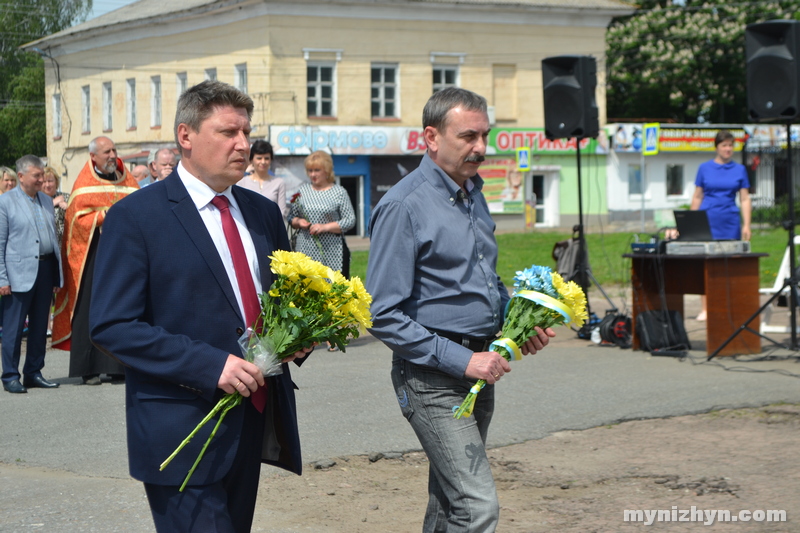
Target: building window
column 384, row 91
column 444, row 76
column 241, row 77
column 634, row 179
column 211, row 74
column 131, row 103
column 155, row 101
column 57, row 116
column 182, row 82
column 107, row 108
column 674, row 180
column 86, row 104
column 321, row 89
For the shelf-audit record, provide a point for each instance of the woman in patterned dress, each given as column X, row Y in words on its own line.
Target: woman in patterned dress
column 51, row 188
column 322, row 213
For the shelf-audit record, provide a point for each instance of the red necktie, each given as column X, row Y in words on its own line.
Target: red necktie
column 252, row 308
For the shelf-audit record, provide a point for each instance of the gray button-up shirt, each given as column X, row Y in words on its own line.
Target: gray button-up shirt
column 432, row 264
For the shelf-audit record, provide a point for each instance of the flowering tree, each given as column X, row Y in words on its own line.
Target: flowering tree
column 684, row 60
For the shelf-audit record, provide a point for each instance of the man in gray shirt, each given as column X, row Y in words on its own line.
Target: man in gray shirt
column 438, row 303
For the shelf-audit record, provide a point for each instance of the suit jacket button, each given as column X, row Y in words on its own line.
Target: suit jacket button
column 239, row 331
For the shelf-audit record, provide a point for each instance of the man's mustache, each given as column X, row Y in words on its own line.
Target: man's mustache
column 477, row 158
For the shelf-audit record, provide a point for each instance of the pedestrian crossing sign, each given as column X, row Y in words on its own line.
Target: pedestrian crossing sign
column 523, row 158
column 650, row 139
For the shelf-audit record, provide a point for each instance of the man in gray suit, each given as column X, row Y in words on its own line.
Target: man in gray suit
column 30, row 271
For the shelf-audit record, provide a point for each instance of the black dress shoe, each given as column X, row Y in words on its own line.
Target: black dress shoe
column 39, row 381
column 14, row 387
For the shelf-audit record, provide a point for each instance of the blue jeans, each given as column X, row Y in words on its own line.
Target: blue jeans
column 461, row 492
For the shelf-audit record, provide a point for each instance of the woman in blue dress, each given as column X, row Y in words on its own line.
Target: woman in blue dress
column 717, row 183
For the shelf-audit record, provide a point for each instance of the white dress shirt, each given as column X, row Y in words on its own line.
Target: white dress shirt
column 202, row 195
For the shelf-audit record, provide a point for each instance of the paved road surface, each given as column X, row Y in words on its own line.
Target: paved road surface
column 63, row 463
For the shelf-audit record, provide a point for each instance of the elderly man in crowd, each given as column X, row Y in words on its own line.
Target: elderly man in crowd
column 142, row 175
column 102, row 182
column 30, row 270
column 162, row 164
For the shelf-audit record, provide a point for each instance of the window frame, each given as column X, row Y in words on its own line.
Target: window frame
column 668, row 176
column 240, row 77
column 318, row 85
column 181, row 83
column 155, row 101
column 443, row 85
column 638, row 168
column 382, row 85
column 86, row 104
column 210, row 74
column 130, row 103
column 108, row 106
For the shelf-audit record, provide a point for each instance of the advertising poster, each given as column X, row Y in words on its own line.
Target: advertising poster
column 503, row 185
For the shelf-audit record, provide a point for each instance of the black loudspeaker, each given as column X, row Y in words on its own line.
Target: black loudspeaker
column 570, row 109
column 773, row 76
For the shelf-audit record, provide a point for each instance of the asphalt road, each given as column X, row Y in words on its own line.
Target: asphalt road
column 63, row 461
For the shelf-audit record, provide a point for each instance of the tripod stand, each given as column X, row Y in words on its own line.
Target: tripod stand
column 792, row 281
column 583, row 272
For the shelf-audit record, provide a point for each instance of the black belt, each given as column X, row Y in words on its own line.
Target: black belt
column 473, row 343
column 47, row 257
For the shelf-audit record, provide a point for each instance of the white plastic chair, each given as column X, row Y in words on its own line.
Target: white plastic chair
column 783, row 273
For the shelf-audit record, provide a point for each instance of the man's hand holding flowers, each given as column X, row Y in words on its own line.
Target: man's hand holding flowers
column 244, row 377
column 491, row 366
column 306, row 304
column 541, row 299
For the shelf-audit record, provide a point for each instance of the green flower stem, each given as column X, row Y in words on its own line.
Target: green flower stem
column 469, row 402
column 222, row 403
column 519, row 326
column 229, row 405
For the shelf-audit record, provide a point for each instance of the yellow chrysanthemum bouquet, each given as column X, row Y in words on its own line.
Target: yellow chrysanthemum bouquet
column 307, row 304
column 541, row 298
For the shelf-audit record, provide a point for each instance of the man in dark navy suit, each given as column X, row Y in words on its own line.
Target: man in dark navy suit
column 168, row 303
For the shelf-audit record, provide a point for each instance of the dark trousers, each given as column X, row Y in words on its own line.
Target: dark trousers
column 223, row 507
column 35, row 305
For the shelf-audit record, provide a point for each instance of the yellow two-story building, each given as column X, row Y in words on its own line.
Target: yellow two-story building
column 347, row 76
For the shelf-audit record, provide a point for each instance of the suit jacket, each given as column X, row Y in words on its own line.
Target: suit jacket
column 163, row 305
column 19, row 240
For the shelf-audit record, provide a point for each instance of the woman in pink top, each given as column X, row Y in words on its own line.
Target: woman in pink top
column 261, row 180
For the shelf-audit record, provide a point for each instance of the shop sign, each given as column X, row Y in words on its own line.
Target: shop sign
column 355, row 140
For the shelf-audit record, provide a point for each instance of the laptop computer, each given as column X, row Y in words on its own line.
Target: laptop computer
column 693, row 226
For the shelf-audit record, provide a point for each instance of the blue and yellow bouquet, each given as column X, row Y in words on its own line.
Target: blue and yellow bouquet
column 307, row 304
column 541, row 298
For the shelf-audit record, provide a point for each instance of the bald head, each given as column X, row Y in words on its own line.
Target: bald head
column 103, row 153
column 163, row 163
column 140, row 172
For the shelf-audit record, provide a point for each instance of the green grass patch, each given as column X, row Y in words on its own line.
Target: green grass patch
column 520, row 250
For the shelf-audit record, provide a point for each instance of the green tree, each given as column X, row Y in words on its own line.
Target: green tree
column 684, row 60
column 22, row 102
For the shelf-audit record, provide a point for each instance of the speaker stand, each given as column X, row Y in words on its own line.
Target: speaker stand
column 792, row 281
column 583, row 272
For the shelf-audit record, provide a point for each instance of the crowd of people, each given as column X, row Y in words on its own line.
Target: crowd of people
column 164, row 310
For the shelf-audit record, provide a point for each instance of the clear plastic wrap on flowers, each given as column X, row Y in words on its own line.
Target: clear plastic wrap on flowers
column 261, row 352
column 307, row 304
